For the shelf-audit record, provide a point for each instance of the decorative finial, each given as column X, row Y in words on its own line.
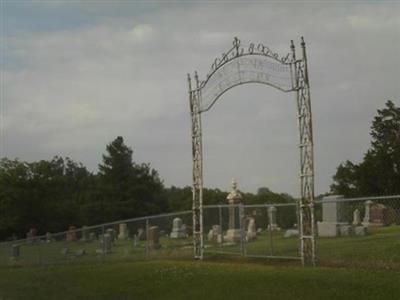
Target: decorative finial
column 236, row 44
column 291, row 44
column 303, row 44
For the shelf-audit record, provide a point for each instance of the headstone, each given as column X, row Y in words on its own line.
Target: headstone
column 233, row 234
column 135, row 240
column 112, row 234
column 291, row 233
column 377, row 214
column 71, row 234
column 141, row 234
column 123, row 231
column 272, row 226
column 177, row 231
column 153, row 240
column 65, row 251
column 367, row 217
column 107, row 242
column 85, row 234
column 48, row 237
column 332, row 216
column 215, row 234
column 251, row 233
column 346, row 230
column 15, row 251
column 31, row 235
column 92, row 236
column 259, row 230
column 80, row 252
column 356, row 217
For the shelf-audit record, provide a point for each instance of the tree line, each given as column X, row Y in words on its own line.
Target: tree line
column 51, row 195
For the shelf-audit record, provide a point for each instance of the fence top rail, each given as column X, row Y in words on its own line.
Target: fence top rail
column 249, row 205
column 360, row 199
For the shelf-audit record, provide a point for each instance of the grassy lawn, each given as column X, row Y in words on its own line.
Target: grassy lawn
column 381, row 249
column 195, row 280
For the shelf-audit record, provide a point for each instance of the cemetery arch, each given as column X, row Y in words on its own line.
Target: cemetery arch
column 257, row 64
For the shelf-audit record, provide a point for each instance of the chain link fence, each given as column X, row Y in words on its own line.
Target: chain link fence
column 152, row 237
column 358, row 232
column 265, row 230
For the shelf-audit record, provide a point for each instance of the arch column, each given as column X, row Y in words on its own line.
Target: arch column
column 306, row 144
column 197, row 157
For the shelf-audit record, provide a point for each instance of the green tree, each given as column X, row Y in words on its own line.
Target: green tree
column 44, row 194
column 128, row 189
column 379, row 172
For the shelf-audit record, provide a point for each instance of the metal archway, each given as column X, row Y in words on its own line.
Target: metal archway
column 241, row 65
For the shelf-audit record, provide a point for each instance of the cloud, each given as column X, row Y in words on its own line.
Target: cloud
column 71, row 90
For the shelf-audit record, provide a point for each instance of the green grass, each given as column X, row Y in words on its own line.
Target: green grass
column 381, row 249
column 195, row 280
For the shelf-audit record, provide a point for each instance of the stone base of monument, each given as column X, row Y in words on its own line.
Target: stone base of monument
column 178, row 235
column 346, row 230
column 360, row 230
column 373, row 225
column 214, row 238
column 233, row 235
column 328, row 229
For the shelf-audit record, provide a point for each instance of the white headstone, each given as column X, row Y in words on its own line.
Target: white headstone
column 272, row 226
column 123, row 231
column 251, row 230
column 178, row 230
column 332, row 216
column 367, row 216
column 214, row 235
column 291, row 233
column 356, row 217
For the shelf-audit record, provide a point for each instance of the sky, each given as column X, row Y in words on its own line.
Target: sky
column 75, row 75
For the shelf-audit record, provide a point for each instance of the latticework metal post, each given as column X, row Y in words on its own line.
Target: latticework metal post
column 197, row 156
column 306, row 205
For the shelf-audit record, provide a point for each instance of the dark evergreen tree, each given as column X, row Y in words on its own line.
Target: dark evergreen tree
column 128, row 189
column 379, row 172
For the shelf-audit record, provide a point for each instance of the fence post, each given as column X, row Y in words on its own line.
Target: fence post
column 147, row 238
column 269, row 227
column 220, row 228
column 103, row 243
column 39, row 246
column 241, row 223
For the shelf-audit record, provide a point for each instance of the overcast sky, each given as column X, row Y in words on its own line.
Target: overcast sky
column 75, row 75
